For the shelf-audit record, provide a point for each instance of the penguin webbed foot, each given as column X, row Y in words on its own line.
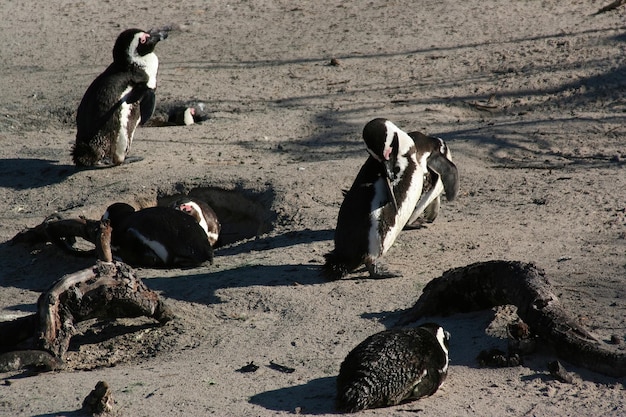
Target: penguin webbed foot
column 131, row 159
column 417, row 224
column 378, row 270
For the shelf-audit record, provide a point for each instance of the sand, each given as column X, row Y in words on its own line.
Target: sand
column 528, row 95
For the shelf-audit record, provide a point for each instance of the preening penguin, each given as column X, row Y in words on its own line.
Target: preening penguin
column 204, row 215
column 379, row 203
column 118, row 100
column 158, row 237
column 440, row 174
column 393, row 366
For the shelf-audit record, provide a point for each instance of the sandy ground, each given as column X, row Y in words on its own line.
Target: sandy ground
column 529, row 96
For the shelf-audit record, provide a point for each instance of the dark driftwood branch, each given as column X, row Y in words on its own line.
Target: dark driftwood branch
column 487, row 284
column 105, row 291
column 61, row 232
column 611, row 6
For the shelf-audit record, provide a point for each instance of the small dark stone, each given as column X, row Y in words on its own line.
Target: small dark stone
column 615, row 340
column 495, row 358
column 99, row 400
column 250, row 367
column 281, row 368
column 559, row 372
column 334, row 62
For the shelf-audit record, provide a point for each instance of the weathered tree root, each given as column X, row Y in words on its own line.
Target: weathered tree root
column 487, row 284
column 611, row 6
column 105, row 291
column 61, row 232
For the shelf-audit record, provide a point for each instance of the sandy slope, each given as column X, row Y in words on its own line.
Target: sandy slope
column 529, row 96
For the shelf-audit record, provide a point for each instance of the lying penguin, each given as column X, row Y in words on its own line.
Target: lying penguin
column 157, row 237
column 379, row 203
column 118, row 100
column 393, row 366
column 440, row 175
column 204, row 215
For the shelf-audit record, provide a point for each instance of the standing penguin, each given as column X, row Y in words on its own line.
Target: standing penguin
column 393, row 366
column 379, row 203
column 440, row 174
column 158, row 237
column 118, row 100
column 204, row 215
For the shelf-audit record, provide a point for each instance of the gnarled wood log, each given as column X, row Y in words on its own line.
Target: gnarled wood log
column 106, row 290
column 487, row 284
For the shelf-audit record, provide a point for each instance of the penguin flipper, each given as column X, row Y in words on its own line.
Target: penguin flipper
column 390, row 194
column 448, row 172
column 145, row 96
column 147, row 105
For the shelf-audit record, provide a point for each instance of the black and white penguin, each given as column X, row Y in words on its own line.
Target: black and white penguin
column 379, row 203
column 157, row 237
column 204, row 215
column 440, row 175
column 118, row 100
column 182, row 116
column 393, row 366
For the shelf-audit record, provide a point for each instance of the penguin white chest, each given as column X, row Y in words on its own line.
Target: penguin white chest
column 150, row 64
column 382, row 236
column 121, row 145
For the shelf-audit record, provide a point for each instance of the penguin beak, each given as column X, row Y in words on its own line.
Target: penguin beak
column 159, row 34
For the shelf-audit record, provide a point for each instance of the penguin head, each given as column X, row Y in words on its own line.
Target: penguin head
column 117, row 212
column 132, row 44
column 388, row 144
column 203, row 213
column 442, row 336
column 191, row 207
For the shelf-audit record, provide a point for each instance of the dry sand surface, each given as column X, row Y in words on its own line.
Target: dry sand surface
column 529, row 95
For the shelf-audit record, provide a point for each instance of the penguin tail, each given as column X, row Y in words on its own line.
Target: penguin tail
column 84, row 155
column 353, row 398
column 335, row 267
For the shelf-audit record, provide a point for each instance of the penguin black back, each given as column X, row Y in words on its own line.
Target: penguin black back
column 393, row 366
column 157, row 237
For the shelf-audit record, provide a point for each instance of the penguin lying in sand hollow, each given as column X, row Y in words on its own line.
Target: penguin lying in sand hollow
column 393, row 366
column 157, row 237
column 380, row 202
column 118, row 100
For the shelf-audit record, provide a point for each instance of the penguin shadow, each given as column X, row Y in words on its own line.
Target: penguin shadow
column 201, row 288
column 25, row 173
column 283, row 240
column 75, row 413
column 316, row 397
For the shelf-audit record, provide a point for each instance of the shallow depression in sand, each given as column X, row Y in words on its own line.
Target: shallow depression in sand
column 243, row 214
